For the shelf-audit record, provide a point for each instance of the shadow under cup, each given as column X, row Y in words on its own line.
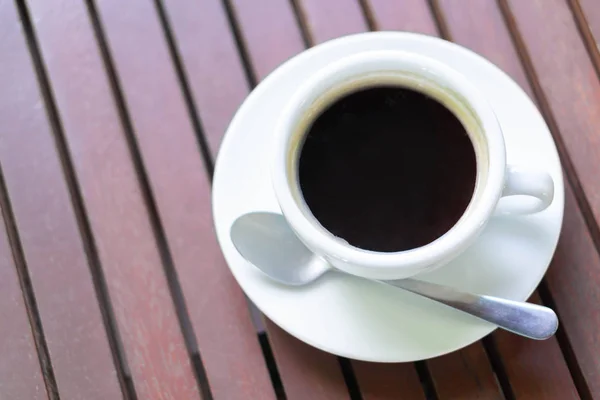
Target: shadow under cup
column 452, row 104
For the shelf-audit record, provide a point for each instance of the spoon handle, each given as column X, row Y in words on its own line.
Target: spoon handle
column 525, row 319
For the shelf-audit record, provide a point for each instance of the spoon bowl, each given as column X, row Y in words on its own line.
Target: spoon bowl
column 266, row 240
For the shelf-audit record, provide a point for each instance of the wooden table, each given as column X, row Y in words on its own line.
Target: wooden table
column 111, row 281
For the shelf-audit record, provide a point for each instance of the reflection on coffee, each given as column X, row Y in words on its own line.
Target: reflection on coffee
column 387, row 169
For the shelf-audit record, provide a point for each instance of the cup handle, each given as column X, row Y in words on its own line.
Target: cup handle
column 528, row 183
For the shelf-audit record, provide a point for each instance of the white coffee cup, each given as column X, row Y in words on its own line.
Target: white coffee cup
column 495, row 178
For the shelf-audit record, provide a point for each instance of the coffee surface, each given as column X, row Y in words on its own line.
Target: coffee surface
column 387, row 169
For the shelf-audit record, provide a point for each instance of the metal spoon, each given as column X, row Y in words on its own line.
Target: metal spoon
column 266, row 240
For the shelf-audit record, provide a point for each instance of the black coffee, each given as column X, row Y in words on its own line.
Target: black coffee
column 387, row 169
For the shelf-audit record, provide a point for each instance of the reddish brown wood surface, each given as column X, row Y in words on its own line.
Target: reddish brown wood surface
column 378, row 381
column 591, row 13
column 401, row 15
column 147, row 321
column 48, row 231
column 146, row 257
column 326, row 20
column 535, row 371
column 306, row 372
column 317, row 376
column 571, row 89
column 211, row 61
column 481, row 28
column 568, row 80
column 170, row 152
column 269, row 33
column 574, row 281
column 465, row 374
column 20, row 372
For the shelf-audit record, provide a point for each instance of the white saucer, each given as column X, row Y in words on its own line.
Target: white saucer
column 363, row 320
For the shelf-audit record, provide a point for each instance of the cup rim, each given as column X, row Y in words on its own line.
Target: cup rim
column 425, row 69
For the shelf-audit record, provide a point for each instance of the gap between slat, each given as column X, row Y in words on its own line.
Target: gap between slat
column 496, row 360
column 205, row 151
column 586, row 33
column 368, row 15
column 272, row 366
column 543, row 290
column 28, row 295
column 350, row 379
column 426, row 380
column 308, row 40
column 566, row 349
column 444, row 32
column 440, row 21
column 571, row 176
column 302, row 22
column 74, row 193
column 240, row 45
column 209, row 164
column 167, row 262
column 187, row 94
column 545, row 109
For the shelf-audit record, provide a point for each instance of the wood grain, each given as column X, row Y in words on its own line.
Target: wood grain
column 482, row 29
column 465, row 374
column 49, row 236
column 535, row 371
column 147, row 322
column 297, row 371
column 225, row 336
column 571, row 89
column 326, row 20
column 20, row 373
column 306, row 372
column 211, row 61
column 592, row 15
column 379, row 381
column 402, row 15
column 269, row 33
column 574, row 279
column 569, row 82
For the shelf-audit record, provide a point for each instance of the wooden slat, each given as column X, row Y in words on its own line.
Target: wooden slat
column 379, row 381
column 401, row 15
column 325, row 20
column 53, row 249
column 480, row 27
column 574, row 281
column 306, row 372
column 572, row 91
column 469, row 369
column 592, row 15
column 569, row 81
column 227, row 340
column 465, row 374
column 218, row 87
column 269, row 33
column 146, row 317
column 20, row 373
column 536, row 371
